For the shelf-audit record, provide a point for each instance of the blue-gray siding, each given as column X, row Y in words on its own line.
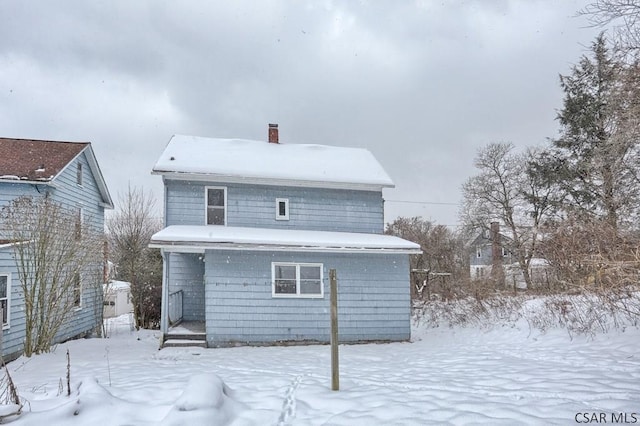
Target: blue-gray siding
column 71, row 196
column 186, row 272
column 373, row 301
column 255, row 206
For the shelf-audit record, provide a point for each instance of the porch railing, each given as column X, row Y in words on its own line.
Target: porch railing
column 175, row 307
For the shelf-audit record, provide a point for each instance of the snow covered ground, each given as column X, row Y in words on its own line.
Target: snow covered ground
column 505, row 375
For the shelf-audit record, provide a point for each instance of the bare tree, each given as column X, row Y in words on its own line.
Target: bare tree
column 442, row 249
column 129, row 232
column 623, row 16
column 503, row 190
column 58, row 259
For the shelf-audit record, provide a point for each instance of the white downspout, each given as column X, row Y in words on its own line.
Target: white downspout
column 164, row 308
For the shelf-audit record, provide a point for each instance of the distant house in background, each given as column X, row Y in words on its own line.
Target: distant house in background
column 252, row 230
column 117, row 299
column 482, row 259
column 69, row 174
column 481, row 253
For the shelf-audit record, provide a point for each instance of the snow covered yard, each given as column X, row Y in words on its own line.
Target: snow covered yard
column 506, row 375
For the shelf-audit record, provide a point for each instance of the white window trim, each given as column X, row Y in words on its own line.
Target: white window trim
column 478, row 252
column 297, row 295
column 80, row 174
column 8, row 324
column 286, row 208
column 206, row 203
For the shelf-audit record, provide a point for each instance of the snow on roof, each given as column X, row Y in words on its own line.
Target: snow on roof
column 119, row 285
column 227, row 237
column 247, row 159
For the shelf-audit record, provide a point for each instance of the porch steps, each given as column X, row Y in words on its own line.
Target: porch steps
column 172, row 340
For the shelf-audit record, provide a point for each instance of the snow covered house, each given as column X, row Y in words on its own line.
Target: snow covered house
column 253, row 228
column 69, row 174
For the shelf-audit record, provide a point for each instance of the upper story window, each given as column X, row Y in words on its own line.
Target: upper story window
column 79, row 223
column 216, row 205
column 282, row 209
column 77, row 291
column 4, row 299
column 478, row 252
column 79, row 174
column 297, row 280
column 504, row 252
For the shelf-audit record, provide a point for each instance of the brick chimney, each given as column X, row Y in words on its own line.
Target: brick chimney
column 273, row 133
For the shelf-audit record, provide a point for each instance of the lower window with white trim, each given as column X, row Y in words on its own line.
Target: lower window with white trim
column 4, row 299
column 297, row 280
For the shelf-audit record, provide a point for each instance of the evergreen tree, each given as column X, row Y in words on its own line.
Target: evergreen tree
column 593, row 162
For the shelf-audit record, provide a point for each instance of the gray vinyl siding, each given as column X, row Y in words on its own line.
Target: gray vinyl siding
column 185, row 271
column 373, row 301
column 80, row 321
column 255, row 206
column 71, row 196
column 87, row 196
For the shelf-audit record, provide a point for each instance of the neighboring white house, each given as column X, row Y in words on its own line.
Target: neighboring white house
column 117, row 299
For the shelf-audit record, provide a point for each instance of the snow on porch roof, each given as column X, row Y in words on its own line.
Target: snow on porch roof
column 270, row 162
column 185, row 238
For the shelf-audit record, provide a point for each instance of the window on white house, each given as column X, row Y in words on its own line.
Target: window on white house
column 282, row 209
column 297, row 280
column 79, row 174
column 79, row 223
column 77, row 290
column 478, row 252
column 504, row 252
column 4, row 299
column 216, row 206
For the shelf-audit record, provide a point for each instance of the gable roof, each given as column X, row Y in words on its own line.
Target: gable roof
column 41, row 162
column 240, row 160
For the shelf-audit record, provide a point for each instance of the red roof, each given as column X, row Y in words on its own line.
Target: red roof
column 35, row 160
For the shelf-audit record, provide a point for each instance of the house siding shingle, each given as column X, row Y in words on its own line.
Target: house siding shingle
column 186, row 273
column 373, row 301
column 255, row 206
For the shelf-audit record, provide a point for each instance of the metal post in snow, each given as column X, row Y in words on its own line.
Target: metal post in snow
column 335, row 370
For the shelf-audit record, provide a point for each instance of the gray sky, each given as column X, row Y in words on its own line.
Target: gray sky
column 421, row 84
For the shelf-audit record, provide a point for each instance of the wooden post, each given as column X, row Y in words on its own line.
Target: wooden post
column 335, row 370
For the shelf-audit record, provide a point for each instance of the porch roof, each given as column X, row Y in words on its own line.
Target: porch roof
column 184, row 238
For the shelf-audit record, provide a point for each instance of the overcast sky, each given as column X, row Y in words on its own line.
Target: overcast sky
column 421, row 84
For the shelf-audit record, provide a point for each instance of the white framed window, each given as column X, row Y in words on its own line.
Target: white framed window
column 297, row 280
column 504, row 252
column 5, row 293
column 79, row 223
column 79, row 174
column 216, row 205
column 478, row 252
column 282, row 209
column 77, row 291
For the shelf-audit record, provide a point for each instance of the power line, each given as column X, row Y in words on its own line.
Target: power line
column 421, row 202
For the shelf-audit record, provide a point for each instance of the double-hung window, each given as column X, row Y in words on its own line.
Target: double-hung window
column 79, row 174
column 77, row 291
column 216, row 205
column 297, row 280
column 4, row 299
